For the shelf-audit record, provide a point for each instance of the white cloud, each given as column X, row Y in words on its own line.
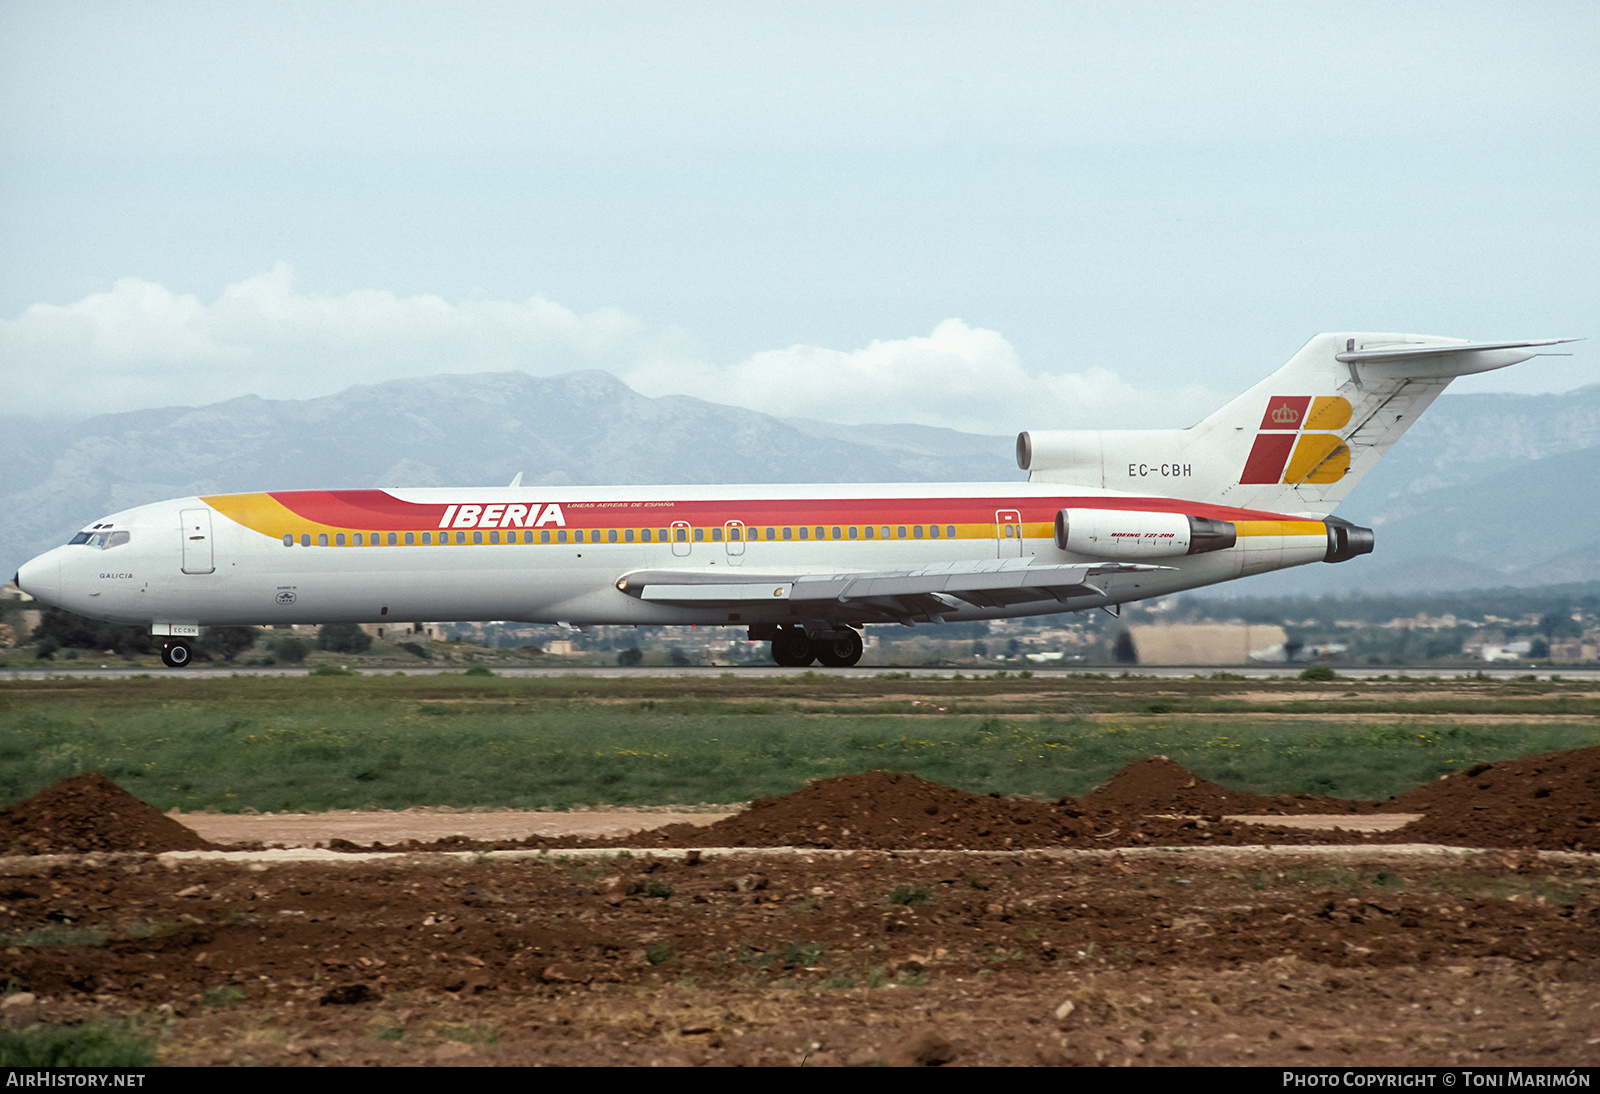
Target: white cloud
column 959, row 376
column 142, row 345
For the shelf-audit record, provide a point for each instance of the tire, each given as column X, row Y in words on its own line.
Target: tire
column 839, row 653
column 792, row 649
column 176, row 654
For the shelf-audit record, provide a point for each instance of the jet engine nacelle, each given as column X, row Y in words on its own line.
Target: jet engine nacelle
column 1346, row 540
column 1105, row 457
column 1130, row 533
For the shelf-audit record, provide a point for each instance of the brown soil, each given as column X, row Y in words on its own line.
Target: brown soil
column 1551, row 800
column 89, row 812
column 985, row 953
column 882, row 810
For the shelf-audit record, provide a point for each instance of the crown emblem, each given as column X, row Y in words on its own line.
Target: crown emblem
column 1285, row 415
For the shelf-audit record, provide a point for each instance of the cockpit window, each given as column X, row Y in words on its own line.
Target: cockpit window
column 81, row 537
column 102, row 540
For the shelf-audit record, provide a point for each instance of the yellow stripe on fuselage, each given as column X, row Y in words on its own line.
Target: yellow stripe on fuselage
column 265, row 514
column 1251, row 528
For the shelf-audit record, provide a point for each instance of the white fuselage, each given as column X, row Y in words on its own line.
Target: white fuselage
column 548, row 555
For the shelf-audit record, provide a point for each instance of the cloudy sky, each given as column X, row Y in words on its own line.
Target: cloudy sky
column 991, row 216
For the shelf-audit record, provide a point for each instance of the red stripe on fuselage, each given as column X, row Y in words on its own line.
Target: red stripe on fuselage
column 377, row 510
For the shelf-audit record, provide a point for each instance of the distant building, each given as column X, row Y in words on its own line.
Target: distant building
column 399, row 632
column 1201, row 643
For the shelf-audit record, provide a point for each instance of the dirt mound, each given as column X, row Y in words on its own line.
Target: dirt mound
column 881, row 809
column 1550, row 801
column 1156, row 784
column 89, row 812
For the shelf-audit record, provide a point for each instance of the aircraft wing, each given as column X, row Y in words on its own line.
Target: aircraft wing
column 895, row 595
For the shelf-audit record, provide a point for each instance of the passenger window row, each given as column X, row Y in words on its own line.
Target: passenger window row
column 679, row 534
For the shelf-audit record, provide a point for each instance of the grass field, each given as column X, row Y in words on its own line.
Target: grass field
column 303, row 743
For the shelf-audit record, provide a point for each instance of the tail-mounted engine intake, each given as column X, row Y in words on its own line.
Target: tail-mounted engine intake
column 1129, row 533
column 1346, row 540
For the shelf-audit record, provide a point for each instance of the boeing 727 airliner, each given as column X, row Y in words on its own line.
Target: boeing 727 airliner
column 1104, row 518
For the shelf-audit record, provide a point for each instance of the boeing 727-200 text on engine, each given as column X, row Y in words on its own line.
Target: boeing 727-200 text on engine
column 1105, row 517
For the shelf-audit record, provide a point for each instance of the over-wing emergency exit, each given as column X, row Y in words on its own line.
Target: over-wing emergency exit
column 1104, row 518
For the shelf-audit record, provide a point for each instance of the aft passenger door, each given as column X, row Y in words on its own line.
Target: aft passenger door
column 197, row 553
column 1008, row 533
column 680, row 538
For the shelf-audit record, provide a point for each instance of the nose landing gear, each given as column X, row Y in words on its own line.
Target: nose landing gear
column 176, row 653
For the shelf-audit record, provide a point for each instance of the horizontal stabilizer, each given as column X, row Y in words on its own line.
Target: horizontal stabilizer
column 1409, row 353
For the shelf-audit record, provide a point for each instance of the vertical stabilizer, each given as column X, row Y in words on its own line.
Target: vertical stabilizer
column 1297, row 442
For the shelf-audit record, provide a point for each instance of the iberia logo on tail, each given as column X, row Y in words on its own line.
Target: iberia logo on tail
column 1298, row 443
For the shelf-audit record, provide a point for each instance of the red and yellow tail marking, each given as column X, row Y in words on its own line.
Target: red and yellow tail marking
column 1284, row 454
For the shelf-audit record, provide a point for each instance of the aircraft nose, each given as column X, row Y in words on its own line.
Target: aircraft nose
column 40, row 578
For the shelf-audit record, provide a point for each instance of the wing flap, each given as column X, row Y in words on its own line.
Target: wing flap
column 985, row 583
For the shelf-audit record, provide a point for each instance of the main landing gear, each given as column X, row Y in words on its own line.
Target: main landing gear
column 792, row 649
column 176, row 653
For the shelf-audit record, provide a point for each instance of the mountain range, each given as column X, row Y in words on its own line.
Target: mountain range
column 1486, row 490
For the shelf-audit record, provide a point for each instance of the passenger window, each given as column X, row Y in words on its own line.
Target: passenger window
column 733, row 535
column 461, row 538
column 411, row 539
column 949, row 531
column 933, row 531
column 852, row 531
column 322, row 539
column 805, row 533
column 356, row 540
column 427, row 539
column 288, row 539
column 611, row 535
column 822, row 533
column 886, row 532
column 544, row 535
column 561, row 537
column 373, row 539
column 699, row 535
column 901, row 529
column 772, row 534
column 392, row 539
column 644, row 536
column 716, row 535
column 683, row 535
column 338, row 540
column 477, row 537
column 305, row 539
column 917, row 532
column 788, row 533
column 835, row 531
